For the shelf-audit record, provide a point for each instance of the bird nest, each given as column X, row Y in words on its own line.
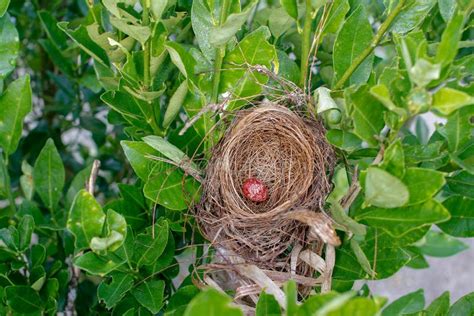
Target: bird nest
column 286, row 155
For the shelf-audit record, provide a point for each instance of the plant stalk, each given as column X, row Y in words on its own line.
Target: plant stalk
column 220, row 53
column 305, row 47
column 375, row 41
column 146, row 46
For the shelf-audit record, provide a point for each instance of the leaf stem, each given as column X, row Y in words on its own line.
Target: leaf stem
column 375, row 41
column 146, row 46
column 305, row 47
column 220, row 53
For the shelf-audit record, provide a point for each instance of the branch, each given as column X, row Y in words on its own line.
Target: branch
column 375, row 41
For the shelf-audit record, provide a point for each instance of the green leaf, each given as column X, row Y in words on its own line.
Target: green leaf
column 179, row 301
column 49, row 175
column 23, row 299
column 25, row 230
column 412, row 15
column 422, row 184
column 382, row 93
column 447, row 9
column 138, row 32
column 291, row 297
column 344, row 140
column 158, row 7
column 448, row 47
column 116, row 232
column 290, row 7
column 447, row 100
column 458, row 128
column 438, row 244
column 356, row 306
column 175, row 104
column 77, row 184
column 50, row 25
column 82, row 38
column 399, row 221
column 267, row 305
column 171, row 188
column 182, row 59
column 237, row 78
column 111, row 293
column 210, row 302
column 86, row 219
column 222, row 34
column 97, row 265
column 147, row 248
column 423, row 72
column 383, row 251
column 335, row 20
column 410, row 303
column 202, row 22
column 462, row 184
column 440, row 306
column 15, row 104
column 341, row 218
column 135, row 153
column 394, row 160
column 463, row 306
column 367, row 114
column 9, row 44
column 361, row 258
column 150, row 295
column 384, row 190
column 3, row 7
column 352, row 39
column 314, row 303
column 170, row 151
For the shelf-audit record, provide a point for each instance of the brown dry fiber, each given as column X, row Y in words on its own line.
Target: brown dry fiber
column 290, row 155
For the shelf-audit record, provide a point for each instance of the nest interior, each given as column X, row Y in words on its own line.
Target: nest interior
column 290, row 155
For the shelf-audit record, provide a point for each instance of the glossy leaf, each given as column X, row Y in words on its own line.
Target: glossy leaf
column 463, row 306
column 399, row 221
column 410, row 303
column 447, row 100
column 412, row 14
column 83, row 39
column 148, row 248
column 267, row 305
column 172, row 188
column 3, row 7
column 9, row 43
column 461, row 223
column 462, row 184
column 422, row 184
column 352, row 39
column 367, row 114
column 394, row 160
column 458, row 128
column 202, row 22
column 150, row 294
column 384, row 190
column 49, row 175
column 111, row 293
column 115, row 233
column 97, row 265
column 175, row 104
column 136, row 153
column 15, row 104
column 25, row 230
column 23, row 299
column 210, row 302
column 86, row 219
column 290, row 7
column 439, row 306
column 221, row 34
column 438, row 244
column 179, row 301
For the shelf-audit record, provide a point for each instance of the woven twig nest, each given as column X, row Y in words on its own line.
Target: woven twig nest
column 288, row 154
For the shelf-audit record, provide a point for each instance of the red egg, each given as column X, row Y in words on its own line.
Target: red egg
column 255, row 190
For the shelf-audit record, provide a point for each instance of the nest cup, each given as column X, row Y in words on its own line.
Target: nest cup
column 289, row 154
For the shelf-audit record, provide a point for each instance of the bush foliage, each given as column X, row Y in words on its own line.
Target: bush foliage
column 117, row 81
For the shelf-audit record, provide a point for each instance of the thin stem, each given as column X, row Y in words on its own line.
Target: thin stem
column 146, row 46
column 306, row 43
column 375, row 41
column 220, row 53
